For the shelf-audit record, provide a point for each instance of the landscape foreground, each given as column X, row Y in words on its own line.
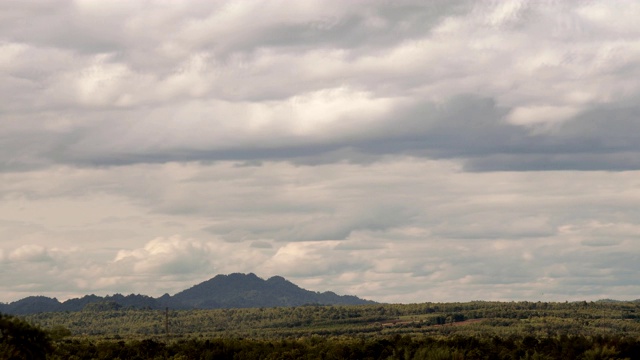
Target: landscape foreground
column 473, row 330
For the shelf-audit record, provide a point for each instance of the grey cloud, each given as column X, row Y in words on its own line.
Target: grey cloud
column 314, row 225
column 601, row 242
column 499, row 225
column 468, row 128
column 60, row 24
column 261, row 245
column 184, row 125
column 123, row 27
column 603, row 138
column 474, row 130
column 365, row 26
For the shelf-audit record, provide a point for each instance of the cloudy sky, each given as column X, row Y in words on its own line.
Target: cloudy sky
column 399, row 151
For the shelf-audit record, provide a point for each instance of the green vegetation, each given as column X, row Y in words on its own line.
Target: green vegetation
column 21, row 340
column 474, row 330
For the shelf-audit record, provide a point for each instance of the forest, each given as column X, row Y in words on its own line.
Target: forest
column 472, row 330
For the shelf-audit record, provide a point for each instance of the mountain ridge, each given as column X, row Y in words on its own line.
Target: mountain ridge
column 236, row 290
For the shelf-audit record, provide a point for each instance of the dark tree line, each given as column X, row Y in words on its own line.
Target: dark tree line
column 21, row 340
column 395, row 347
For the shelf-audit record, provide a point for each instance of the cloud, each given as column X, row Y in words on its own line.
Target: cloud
column 355, row 97
column 404, row 222
column 167, row 256
column 29, row 253
column 531, row 115
column 308, row 259
column 404, row 151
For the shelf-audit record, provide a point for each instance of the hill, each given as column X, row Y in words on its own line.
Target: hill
column 222, row 291
column 246, row 291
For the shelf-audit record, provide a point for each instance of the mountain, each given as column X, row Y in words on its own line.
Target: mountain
column 38, row 304
column 240, row 290
column 30, row 305
column 222, row 291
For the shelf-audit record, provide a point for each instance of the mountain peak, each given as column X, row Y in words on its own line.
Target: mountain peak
column 249, row 290
column 235, row 290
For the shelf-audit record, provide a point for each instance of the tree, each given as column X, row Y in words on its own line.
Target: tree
column 21, row 340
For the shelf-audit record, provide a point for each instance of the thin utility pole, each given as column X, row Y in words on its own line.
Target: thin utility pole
column 166, row 322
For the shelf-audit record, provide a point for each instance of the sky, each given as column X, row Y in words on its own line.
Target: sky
column 400, row 151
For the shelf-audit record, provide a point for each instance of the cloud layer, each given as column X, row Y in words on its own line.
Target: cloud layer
column 398, row 151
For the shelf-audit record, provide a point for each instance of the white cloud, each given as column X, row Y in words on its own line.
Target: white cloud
column 532, row 115
column 505, row 12
column 29, row 253
column 163, row 256
column 309, row 259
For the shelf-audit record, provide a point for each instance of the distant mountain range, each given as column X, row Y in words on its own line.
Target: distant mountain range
column 222, row 291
